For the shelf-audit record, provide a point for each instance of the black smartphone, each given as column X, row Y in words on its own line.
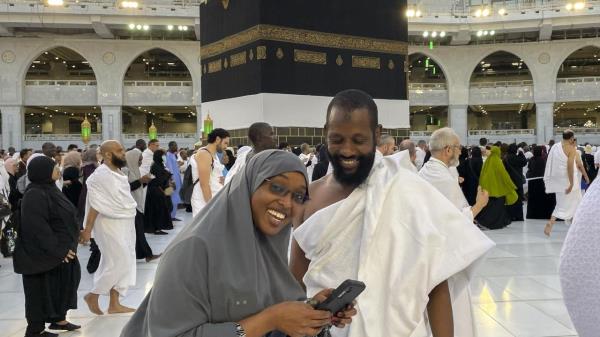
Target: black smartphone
column 341, row 297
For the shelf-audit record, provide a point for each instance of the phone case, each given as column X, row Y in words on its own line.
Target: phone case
column 347, row 292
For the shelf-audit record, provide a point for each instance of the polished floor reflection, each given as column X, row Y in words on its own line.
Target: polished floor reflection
column 516, row 291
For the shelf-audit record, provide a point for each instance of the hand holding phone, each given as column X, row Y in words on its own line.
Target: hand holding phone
column 342, row 297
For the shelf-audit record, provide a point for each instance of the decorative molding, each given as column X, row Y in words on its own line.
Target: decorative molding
column 251, row 54
column 279, row 53
column 225, row 63
column 225, row 4
column 8, row 56
column 304, row 37
column 366, row 62
column 108, row 58
column 391, row 65
column 237, row 59
column 214, row 66
column 544, row 58
column 339, row 60
column 307, row 56
column 204, row 69
column 261, row 53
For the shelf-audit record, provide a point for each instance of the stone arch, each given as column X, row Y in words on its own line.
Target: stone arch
column 35, row 54
column 435, row 58
column 562, row 57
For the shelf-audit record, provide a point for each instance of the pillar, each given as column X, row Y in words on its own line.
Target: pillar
column 457, row 120
column 12, row 126
column 263, row 60
column 544, row 122
column 112, row 121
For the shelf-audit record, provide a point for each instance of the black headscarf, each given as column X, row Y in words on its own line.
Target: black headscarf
column 158, row 165
column 39, row 170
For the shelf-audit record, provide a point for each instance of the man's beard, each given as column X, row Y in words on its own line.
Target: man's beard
column 365, row 164
column 119, row 162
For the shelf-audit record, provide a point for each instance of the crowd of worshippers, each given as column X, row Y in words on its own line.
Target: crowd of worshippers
column 341, row 198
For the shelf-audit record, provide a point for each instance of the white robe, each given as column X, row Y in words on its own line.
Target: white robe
column 420, row 157
column 216, row 173
column 147, row 160
column 442, row 178
column 114, row 230
column 398, row 235
column 240, row 163
column 556, row 180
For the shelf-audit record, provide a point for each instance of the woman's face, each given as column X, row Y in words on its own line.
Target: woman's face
column 277, row 201
column 56, row 173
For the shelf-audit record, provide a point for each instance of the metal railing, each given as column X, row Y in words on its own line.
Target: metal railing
column 133, row 136
column 59, row 136
column 527, row 132
column 578, row 131
column 421, row 133
column 61, row 82
column 158, row 83
column 579, row 80
column 501, row 84
column 427, row 86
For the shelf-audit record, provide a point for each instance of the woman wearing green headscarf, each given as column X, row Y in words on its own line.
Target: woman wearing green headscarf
column 495, row 179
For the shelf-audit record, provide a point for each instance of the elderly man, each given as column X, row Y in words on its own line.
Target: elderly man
column 445, row 150
column 408, row 144
column 110, row 216
column 387, row 145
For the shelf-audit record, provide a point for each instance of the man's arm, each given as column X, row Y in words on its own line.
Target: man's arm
column 86, row 234
column 298, row 263
column 439, row 310
column 204, row 163
column 570, row 169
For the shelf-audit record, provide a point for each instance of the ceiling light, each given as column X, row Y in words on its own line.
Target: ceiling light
column 425, row 34
column 502, row 11
column 138, row 27
column 434, row 34
column 72, row 66
column 146, row 27
column 131, row 26
column 56, row 58
column 185, row 28
column 170, row 27
column 64, row 62
column 579, row 5
column 479, row 33
column 180, row 28
column 485, row 12
column 478, row 13
column 485, row 33
column 443, row 34
column 418, row 13
column 492, row 32
column 569, row 6
column 33, row 66
column 129, row 4
column 55, row 2
column 410, row 13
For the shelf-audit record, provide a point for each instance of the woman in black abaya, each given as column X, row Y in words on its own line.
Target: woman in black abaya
column 157, row 211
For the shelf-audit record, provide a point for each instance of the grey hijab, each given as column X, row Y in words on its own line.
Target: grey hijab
column 220, row 269
column 133, row 174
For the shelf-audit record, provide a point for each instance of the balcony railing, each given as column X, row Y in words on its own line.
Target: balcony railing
column 421, row 133
column 513, row 132
column 133, row 136
column 579, row 80
column 59, row 136
column 578, row 131
column 158, row 83
column 502, row 84
column 61, row 82
column 427, row 86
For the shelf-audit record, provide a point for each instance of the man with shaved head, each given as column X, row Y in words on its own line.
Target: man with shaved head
column 408, row 144
column 110, row 217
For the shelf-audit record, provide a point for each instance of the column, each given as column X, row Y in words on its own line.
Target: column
column 457, row 120
column 12, row 126
column 199, row 122
column 544, row 122
column 112, row 120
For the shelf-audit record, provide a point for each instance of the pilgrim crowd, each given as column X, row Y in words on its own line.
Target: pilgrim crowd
column 276, row 227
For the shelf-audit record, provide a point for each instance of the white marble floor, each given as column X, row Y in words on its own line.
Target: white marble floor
column 516, row 291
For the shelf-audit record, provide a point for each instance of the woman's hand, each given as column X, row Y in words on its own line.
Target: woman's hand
column 298, row 319
column 85, row 236
column 70, row 256
column 342, row 318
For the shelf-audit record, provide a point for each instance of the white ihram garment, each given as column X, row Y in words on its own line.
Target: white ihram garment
column 240, row 163
column 555, row 178
column 114, row 230
column 216, row 173
column 398, row 235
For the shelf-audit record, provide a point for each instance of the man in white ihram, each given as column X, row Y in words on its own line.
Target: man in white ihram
column 110, row 216
column 445, row 150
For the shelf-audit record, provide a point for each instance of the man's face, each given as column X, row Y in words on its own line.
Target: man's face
column 351, row 145
column 154, row 146
column 454, row 152
column 117, row 156
column 222, row 144
column 173, row 148
column 183, row 155
column 50, row 151
column 388, row 148
column 27, row 155
column 270, row 139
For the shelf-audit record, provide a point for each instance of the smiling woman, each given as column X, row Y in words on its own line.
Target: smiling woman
column 226, row 274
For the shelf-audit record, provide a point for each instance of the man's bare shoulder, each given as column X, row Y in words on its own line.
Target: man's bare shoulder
column 323, row 193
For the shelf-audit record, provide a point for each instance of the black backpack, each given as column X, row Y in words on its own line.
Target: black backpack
column 187, row 187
